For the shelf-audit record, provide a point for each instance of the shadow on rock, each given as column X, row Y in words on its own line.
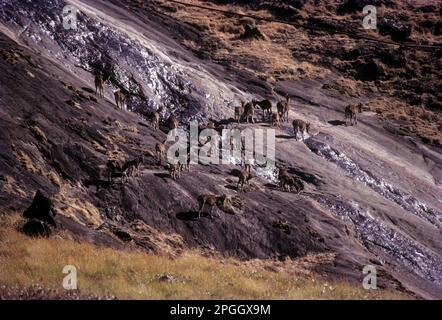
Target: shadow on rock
column 162, row 175
column 284, row 136
column 336, row 122
column 190, row 215
column 231, row 187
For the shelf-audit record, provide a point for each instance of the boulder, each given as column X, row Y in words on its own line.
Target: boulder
column 433, row 104
column 36, row 228
column 281, row 224
column 41, row 209
column 166, row 278
column 123, row 235
column 392, row 58
column 251, row 32
column 397, row 29
column 370, row 71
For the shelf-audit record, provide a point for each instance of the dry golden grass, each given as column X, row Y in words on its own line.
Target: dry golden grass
column 268, row 59
column 11, row 187
column 26, row 162
column 76, row 206
column 417, row 120
column 135, row 275
column 282, row 55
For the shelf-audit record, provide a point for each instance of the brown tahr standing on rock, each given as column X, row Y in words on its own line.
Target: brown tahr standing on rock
column 249, row 112
column 283, row 109
column 244, row 179
column 300, row 126
column 238, row 112
column 209, row 199
column 351, row 114
column 276, row 120
column 156, row 117
column 113, row 169
column 160, row 150
column 266, row 107
column 288, row 182
column 120, row 99
column 99, row 84
column 131, row 167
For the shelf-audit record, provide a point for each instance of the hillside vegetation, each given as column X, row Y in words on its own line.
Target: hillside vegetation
column 35, row 267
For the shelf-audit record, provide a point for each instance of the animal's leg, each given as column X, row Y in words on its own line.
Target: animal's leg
column 211, row 210
column 201, row 209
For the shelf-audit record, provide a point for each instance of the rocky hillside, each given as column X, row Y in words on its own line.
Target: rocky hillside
column 371, row 192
